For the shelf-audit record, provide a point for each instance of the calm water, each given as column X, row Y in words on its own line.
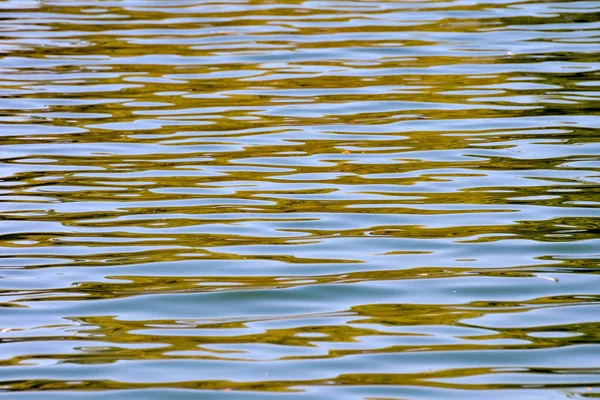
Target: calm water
column 303, row 200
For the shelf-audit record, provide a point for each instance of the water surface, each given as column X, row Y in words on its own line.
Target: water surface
column 303, row 200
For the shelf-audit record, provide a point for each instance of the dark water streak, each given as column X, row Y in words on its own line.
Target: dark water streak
column 299, row 199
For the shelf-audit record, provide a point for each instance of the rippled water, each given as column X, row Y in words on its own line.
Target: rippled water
column 285, row 199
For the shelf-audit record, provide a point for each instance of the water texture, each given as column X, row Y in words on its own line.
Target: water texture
column 303, row 200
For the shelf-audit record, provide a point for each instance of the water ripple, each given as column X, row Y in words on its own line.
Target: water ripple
column 306, row 200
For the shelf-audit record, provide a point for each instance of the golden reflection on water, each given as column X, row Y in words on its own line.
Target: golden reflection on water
column 336, row 199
